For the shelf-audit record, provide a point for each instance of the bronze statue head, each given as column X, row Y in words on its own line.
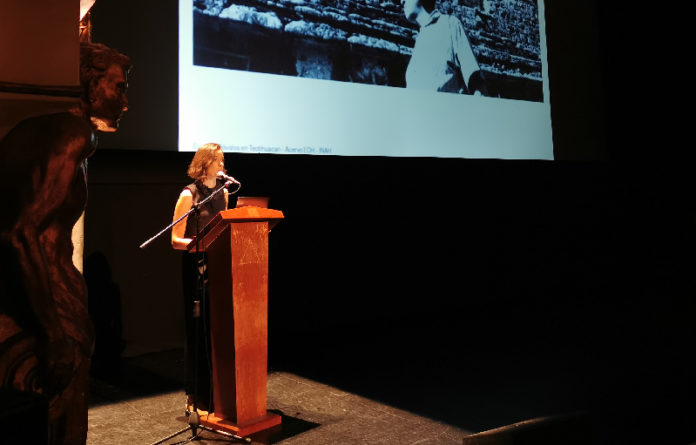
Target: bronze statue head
column 104, row 80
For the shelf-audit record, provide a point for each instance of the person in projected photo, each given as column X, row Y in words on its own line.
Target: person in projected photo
column 207, row 162
column 442, row 58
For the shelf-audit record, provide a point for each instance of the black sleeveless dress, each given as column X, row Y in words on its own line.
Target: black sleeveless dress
column 195, row 288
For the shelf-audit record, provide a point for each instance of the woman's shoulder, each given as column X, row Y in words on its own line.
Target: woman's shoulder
column 190, row 189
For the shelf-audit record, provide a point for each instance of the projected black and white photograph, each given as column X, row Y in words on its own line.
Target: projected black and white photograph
column 479, row 47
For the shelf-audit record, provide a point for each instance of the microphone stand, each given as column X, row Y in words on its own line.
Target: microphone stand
column 194, row 421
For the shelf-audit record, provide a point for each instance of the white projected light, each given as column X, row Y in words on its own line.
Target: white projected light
column 358, row 78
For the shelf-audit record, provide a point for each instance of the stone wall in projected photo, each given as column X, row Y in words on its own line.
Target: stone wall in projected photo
column 364, row 41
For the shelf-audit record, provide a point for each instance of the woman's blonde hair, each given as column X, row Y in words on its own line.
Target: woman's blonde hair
column 204, row 156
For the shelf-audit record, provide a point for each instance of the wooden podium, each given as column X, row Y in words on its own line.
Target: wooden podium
column 236, row 242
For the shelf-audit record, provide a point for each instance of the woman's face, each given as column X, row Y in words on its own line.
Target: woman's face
column 217, row 165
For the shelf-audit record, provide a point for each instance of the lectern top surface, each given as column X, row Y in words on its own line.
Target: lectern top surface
column 236, row 215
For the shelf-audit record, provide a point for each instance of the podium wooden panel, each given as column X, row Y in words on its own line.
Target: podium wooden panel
column 236, row 242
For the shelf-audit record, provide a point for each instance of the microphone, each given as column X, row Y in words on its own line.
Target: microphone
column 225, row 177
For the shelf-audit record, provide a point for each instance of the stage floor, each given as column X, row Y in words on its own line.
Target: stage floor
column 393, row 391
column 145, row 404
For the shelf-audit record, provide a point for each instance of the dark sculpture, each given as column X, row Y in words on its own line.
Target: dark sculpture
column 46, row 337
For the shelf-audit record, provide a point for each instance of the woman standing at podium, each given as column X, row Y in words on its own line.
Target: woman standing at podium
column 207, row 162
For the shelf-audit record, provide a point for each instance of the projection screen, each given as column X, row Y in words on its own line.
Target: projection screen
column 462, row 78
